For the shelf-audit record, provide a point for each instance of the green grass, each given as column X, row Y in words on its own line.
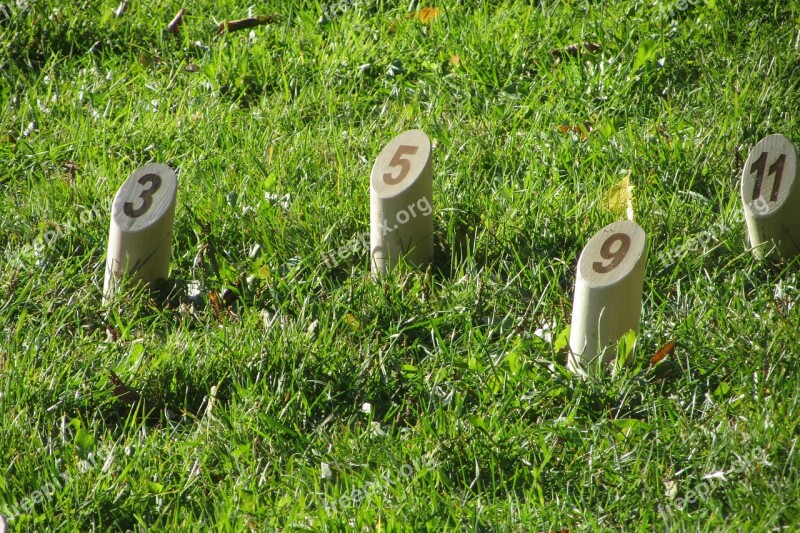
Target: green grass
column 474, row 423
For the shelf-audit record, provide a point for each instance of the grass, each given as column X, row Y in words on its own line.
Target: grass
column 427, row 399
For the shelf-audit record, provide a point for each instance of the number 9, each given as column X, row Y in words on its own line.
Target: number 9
column 617, row 256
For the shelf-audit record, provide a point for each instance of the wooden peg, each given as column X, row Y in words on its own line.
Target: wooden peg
column 771, row 198
column 401, row 208
column 140, row 238
column 608, row 294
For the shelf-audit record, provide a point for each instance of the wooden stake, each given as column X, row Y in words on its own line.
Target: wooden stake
column 140, row 238
column 401, row 208
column 608, row 294
column 771, row 197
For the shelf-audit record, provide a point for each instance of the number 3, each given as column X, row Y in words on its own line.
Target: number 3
column 147, row 196
column 615, row 257
column 404, row 164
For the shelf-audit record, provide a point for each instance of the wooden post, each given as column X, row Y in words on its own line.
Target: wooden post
column 771, row 197
column 140, row 238
column 608, row 294
column 401, row 208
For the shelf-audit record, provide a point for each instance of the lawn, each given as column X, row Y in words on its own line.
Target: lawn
column 265, row 387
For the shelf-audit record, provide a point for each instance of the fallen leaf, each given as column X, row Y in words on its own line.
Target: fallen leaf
column 455, row 60
column 426, row 14
column 175, row 24
column 146, row 60
column 71, row 167
column 242, row 24
column 663, row 352
column 574, row 50
column 619, row 198
column 583, row 130
column 216, row 305
column 112, row 333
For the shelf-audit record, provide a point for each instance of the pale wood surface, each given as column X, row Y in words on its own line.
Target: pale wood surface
column 771, row 198
column 401, row 200
column 140, row 236
column 608, row 294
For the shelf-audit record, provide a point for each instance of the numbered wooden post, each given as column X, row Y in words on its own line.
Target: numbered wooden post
column 771, row 197
column 140, row 238
column 608, row 294
column 401, row 208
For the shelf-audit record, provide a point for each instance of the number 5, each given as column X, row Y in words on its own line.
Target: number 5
column 404, row 164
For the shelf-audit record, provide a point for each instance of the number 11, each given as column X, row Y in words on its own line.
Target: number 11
column 758, row 166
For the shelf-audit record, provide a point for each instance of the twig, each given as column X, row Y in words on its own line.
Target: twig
column 243, row 24
column 175, row 24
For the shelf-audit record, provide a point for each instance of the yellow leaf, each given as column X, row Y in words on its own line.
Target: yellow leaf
column 455, row 60
column 427, row 14
column 620, row 197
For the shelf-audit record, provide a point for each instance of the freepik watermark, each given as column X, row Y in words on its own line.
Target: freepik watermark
column 699, row 241
column 335, row 9
column 385, row 481
column 50, row 236
column 421, row 207
column 48, row 490
column 712, row 481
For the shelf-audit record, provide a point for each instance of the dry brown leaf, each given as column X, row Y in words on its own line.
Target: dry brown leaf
column 147, row 60
column 72, row 168
column 112, row 333
column 583, row 130
column 663, row 352
column 175, row 24
column 216, row 305
column 243, row 24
